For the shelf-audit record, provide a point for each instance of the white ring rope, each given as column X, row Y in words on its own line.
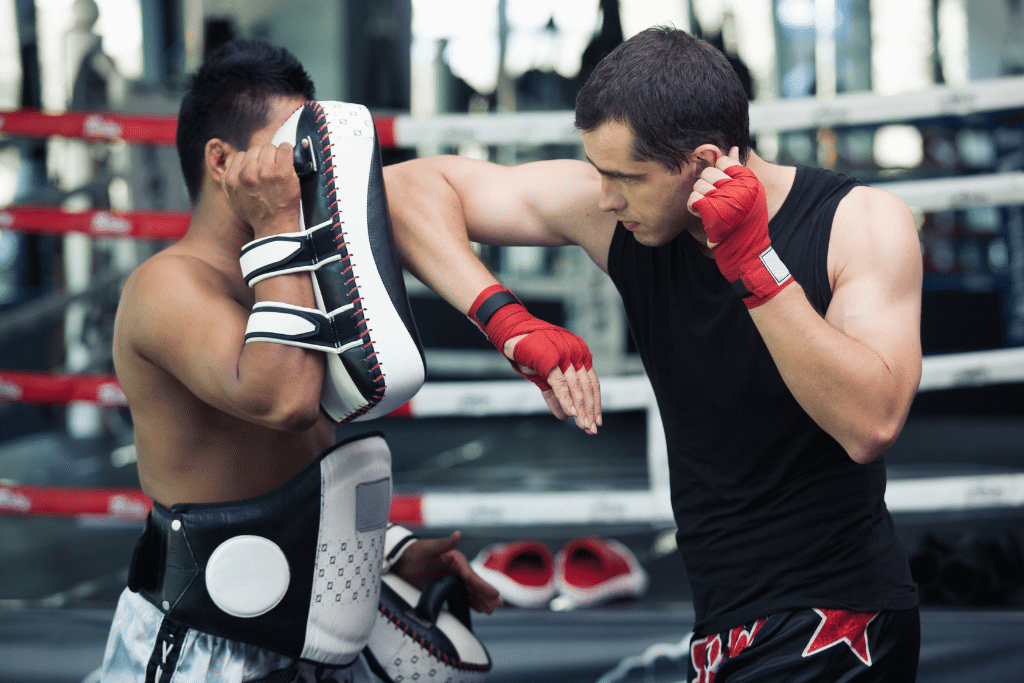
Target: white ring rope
column 539, row 128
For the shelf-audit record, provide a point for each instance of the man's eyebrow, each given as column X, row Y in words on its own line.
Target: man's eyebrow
column 613, row 174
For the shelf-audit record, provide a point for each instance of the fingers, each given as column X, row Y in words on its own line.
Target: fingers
column 449, row 543
column 598, row 416
column 428, row 559
column 257, row 165
column 563, row 394
column 583, row 395
column 441, row 547
column 730, row 159
column 700, row 188
column 554, row 404
column 693, row 199
column 559, row 363
column 705, row 183
column 483, row 597
column 711, row 176
column 284, row 157
column 262, row 188
column 232, row 167
column 577, row 394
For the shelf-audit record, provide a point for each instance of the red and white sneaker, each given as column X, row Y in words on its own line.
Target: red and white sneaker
column 522, row 571
column 591, row 571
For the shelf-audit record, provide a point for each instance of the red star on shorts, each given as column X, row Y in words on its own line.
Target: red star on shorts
column 842, row 626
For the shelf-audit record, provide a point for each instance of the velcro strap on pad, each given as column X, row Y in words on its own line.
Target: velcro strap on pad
column 289, row 253
column 306, row 328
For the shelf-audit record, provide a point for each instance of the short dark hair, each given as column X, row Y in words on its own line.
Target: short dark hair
column 675, row 92
column 227, row 99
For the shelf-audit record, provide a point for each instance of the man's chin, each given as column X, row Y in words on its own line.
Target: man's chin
column 648, row 239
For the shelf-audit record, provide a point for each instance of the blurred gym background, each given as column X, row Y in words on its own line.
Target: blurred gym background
column 442, row 69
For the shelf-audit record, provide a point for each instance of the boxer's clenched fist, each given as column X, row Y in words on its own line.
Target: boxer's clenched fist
column 731, row 203
column 262, row 188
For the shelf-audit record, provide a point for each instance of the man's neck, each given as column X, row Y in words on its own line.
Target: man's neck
column 777, row 181
column 216, row 225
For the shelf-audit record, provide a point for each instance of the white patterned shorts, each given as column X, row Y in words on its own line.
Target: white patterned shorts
column 143, row 646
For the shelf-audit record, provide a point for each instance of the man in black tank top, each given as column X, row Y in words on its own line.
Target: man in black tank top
column 776, row 311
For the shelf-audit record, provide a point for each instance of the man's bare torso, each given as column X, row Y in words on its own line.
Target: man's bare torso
column 189, row 451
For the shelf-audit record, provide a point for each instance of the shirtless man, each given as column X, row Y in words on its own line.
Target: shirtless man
column 219, row 422
column 777, row 312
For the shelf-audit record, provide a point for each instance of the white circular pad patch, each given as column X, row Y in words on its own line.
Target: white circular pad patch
column 247, row 576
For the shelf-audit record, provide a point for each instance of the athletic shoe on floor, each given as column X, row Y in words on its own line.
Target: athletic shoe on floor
column 591, row 571
column 522, row 571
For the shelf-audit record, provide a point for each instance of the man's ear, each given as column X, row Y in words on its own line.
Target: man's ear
column 216, row 155
column 707, row 155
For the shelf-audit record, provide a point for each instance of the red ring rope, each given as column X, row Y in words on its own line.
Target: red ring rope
column 155, row 225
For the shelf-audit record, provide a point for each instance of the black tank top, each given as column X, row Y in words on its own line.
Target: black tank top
column 772, row 513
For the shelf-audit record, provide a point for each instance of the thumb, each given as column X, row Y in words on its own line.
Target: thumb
column 554, row 404
column 559, row 394
column 449, row 543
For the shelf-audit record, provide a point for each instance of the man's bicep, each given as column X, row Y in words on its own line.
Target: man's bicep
column 535, row 204
column 193, row 335
column 877, row 291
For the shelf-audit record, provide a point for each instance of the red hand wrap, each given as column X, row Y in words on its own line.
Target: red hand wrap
column 545, row 345
column 735, row 214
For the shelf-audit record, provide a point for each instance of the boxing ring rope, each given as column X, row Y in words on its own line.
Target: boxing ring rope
column 510, row 398
column 476, row 399
column 940, row 194
column 537, row 128
column 150, row 225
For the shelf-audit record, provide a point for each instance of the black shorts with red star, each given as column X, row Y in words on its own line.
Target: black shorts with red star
column 819, row 645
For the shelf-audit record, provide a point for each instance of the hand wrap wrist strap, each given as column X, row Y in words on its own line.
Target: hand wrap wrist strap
column 501, row 316
column 489, row 306
column 735, row 215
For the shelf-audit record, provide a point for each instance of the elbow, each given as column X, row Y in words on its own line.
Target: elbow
column 299, row 414
column 873, row 441
column 875, row 430
column 287, row 413
column 299, row 420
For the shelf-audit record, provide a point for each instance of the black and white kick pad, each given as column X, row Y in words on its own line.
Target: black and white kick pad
column 416, row 639
column 363, row 322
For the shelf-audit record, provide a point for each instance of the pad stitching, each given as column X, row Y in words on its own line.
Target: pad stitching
column 437, row 654
column 339, row 238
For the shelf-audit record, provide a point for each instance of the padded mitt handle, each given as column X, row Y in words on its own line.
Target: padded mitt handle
column 448, row 589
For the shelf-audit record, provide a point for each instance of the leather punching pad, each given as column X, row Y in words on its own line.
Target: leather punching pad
column 375, row 360
column 415, row 638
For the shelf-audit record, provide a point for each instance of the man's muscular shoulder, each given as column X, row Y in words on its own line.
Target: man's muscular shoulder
column 164, row 291
column 567, row 192
column 873, row 229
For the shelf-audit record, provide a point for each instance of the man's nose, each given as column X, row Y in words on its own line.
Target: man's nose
column 611, row 199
